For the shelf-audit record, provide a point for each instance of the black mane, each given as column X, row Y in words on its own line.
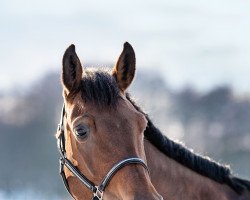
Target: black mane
column 204, row 166
column 197, row 163
column 100, row 88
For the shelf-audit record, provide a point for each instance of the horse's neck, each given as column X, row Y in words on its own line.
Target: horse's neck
column 174, row 181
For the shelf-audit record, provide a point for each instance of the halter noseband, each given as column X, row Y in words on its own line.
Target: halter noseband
column 97, row 190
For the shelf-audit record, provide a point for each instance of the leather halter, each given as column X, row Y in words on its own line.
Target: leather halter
column 97, row 190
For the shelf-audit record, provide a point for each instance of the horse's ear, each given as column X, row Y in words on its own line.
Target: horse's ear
column 124, row 69
column 72, row 70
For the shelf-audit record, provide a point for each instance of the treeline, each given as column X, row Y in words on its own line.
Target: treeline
column 216, row 123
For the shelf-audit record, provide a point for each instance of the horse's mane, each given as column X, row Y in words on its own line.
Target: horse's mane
column 202, row 165
column 100, row 88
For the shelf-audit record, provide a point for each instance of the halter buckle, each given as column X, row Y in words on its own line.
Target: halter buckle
column 98, row 195
column 60, row 128
column 61, row 161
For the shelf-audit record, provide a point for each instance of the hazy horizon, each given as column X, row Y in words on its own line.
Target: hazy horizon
column 199, row 43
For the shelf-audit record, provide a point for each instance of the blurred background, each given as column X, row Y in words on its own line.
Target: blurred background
column 193, row 67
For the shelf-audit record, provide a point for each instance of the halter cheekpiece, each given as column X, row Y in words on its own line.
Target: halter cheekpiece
column 97, row 190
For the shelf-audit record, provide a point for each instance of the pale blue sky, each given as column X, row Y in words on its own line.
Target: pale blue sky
column 196, row 42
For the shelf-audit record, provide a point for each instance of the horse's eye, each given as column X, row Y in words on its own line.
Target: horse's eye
column 81, row 131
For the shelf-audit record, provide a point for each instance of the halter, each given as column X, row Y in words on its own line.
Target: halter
column 97, row 190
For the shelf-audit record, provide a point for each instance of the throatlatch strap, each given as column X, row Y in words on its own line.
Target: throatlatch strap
column 62, row 173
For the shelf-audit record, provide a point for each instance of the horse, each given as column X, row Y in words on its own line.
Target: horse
column 110, row 149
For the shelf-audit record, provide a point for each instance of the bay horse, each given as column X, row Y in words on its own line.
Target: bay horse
column 110, row 149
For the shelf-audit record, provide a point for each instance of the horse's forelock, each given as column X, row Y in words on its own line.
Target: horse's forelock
column 99, row 88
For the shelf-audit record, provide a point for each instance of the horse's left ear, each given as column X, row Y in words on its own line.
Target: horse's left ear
column 124, row 70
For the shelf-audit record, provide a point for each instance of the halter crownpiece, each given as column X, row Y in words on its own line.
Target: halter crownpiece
column 97, row 190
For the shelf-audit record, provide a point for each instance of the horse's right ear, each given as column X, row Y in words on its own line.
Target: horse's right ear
column 72, row 70
column 124, row 70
